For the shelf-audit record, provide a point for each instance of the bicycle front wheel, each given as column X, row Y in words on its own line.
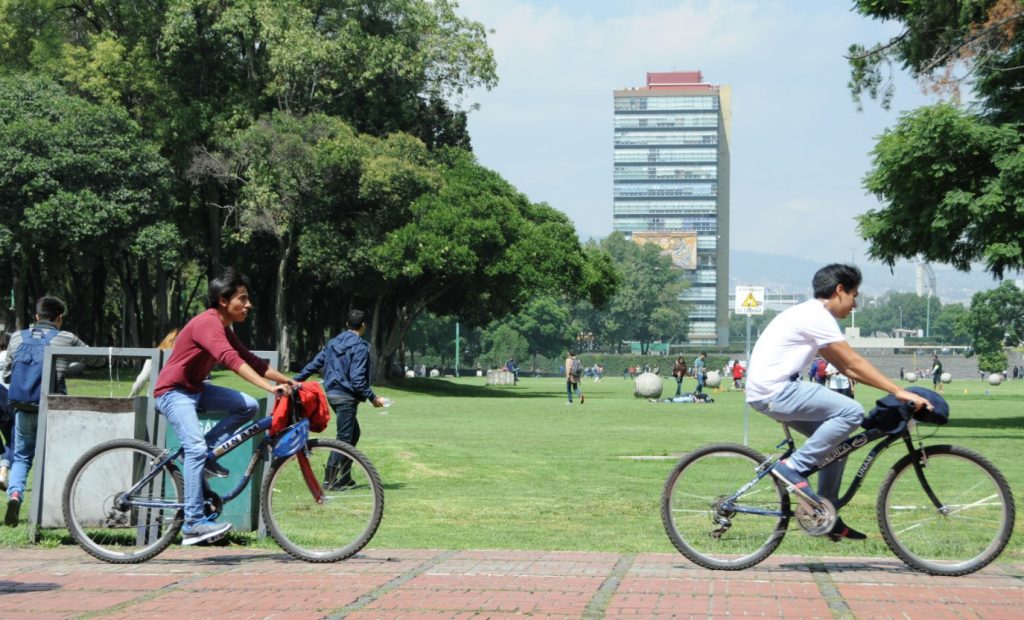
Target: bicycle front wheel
column 703, row 522
column 336, row 527
column 110, row 520
column 952, row 520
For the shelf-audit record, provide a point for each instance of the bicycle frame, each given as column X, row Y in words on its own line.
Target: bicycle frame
column 238, row 438
column 843, row 450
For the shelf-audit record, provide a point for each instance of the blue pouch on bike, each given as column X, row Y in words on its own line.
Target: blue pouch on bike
column 292, row 439
column 887, row 415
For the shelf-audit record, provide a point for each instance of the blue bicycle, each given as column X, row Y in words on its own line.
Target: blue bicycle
column 124, row 499
column 942, row 509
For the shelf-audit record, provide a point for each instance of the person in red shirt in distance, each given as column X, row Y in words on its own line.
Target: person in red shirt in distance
column 207, row 340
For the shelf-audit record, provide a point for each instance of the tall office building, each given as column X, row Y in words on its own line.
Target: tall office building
column 671, row 185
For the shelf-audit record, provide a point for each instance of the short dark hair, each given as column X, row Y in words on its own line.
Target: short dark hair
column 830, row 276
column 49, row 308
column 355, row 319
column 571, row 353
column 225, row 286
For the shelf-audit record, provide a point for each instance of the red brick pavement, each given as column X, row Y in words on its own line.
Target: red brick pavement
column 425, row 584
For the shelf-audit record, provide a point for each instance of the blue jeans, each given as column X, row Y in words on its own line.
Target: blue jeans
column 570, row 387
column 339, row 468
column 179, row 407
column 25, row 427
column 827, row 418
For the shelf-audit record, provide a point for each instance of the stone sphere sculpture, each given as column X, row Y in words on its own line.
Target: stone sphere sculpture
column 410, row 374
column 434, row 373
column 648, row 385
column 714, row 379
column 995, row 378
column 945, row 377
column 910, row 377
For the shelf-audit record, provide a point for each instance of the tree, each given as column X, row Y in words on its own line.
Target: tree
column 994, row 322
column 475, row 249
column 647, row 307
column 952, row 188
column 738, row 325
column 949, row 326
column 546, row 324
column 80, row 191
column 303, row 183
column 950, row 179
column 501, row 343
column 193, row 74
column 982, row 39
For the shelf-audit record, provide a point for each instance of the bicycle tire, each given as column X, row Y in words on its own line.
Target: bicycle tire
column 332, row 530
column 688, row 508
column 970, row 530
column 121, row 532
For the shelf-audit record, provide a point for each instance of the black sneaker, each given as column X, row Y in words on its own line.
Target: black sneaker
column 205, row 529
column 842, row 530
column 340, row 485
column 13, row 509
column 796, row 482
column 214, row 469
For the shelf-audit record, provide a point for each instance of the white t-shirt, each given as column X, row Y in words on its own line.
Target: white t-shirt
column 787, row 346
column 836, row 379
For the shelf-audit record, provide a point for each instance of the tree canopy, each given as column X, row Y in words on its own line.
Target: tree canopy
column 949, row 178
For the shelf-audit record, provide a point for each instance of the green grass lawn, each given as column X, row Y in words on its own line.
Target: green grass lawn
column 471, row 466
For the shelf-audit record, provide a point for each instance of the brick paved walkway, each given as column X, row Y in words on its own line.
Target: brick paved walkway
column 427, row 584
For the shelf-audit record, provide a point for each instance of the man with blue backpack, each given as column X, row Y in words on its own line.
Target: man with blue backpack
column 22, row 369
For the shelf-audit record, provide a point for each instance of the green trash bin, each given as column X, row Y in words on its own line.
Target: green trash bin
column 242, row 512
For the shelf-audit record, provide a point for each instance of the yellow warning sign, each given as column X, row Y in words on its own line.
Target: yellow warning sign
column 749, row 300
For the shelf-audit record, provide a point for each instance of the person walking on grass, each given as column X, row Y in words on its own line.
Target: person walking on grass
column 182, row 387
column 21, row 367
column 344, row 364
column 573, row 373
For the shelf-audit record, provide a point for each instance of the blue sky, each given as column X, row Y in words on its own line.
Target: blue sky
column 800, row 147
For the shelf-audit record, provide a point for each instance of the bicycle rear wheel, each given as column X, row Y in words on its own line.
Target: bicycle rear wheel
column 107, row 521
column 340, row 525
column 706, row 532
column 966, row 526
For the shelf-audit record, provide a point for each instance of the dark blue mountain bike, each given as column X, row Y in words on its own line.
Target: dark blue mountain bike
column 943, row 510
column 124, row 499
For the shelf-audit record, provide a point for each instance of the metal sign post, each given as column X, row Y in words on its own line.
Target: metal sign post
column 749, row 301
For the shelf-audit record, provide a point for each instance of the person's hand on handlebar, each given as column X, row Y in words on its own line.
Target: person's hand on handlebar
column 915, row 400
column 284, row 389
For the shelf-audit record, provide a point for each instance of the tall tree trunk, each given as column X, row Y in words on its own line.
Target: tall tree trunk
column 280, row 320
column 147, row 299
column 99, row 293
column 212, row 197
column 163, row 324
column 20, row 303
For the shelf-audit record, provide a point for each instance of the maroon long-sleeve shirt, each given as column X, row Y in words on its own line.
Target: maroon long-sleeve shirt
column 201, row 345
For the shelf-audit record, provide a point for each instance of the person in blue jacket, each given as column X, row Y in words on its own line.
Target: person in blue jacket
column 346, row 369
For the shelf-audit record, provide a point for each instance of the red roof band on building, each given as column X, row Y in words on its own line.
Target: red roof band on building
column 678, row 79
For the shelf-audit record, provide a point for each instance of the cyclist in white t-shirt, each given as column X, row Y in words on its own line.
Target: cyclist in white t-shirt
column 784, row 350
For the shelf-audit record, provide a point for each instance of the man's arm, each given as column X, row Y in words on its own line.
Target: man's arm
column 313, row 366
column 853, row 365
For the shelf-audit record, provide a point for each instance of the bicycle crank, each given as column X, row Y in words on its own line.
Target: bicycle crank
column 815, row 520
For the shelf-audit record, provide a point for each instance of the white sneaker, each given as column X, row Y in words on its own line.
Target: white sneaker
column 206, row 529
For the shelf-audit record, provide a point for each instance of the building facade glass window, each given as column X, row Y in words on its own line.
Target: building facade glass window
column 670, row 148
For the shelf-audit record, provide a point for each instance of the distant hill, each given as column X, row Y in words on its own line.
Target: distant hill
column 791, row 274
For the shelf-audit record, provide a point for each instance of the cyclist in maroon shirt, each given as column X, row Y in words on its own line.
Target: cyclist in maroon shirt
column 207, row 340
